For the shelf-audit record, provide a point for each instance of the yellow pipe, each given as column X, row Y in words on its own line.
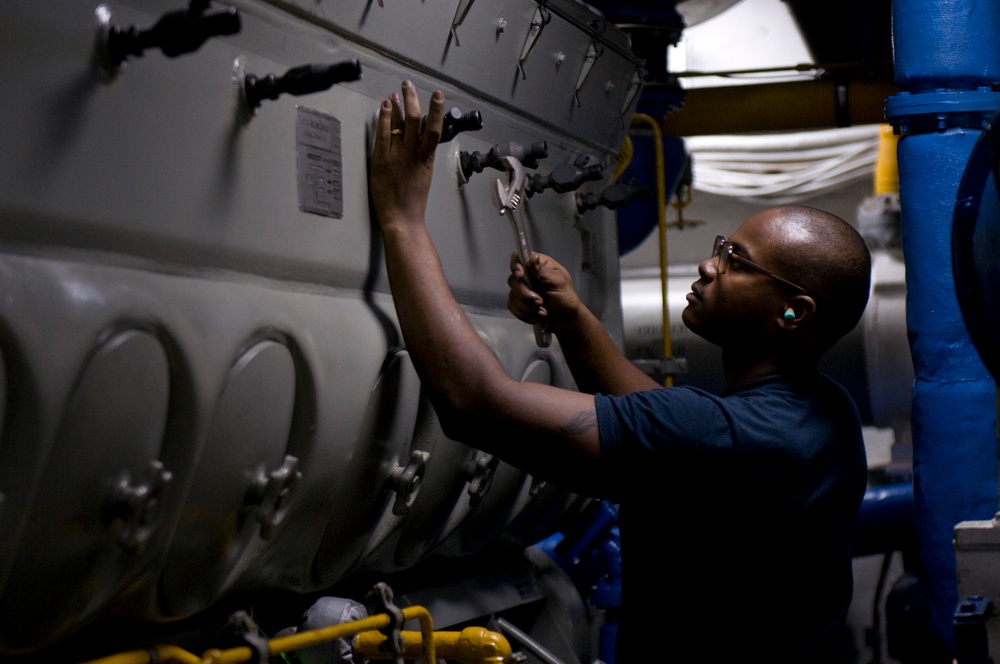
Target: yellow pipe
column 886, row 170
column 623, row 158
column 163, row 654
column 168, row 654
column 473, row 645
column 661, row 205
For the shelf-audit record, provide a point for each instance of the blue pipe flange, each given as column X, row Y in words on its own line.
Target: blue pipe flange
column 942, row 109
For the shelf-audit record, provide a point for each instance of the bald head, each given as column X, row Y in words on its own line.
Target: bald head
column 826, row 256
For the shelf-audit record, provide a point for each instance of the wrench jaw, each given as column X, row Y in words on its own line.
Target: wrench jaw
column 507, row 196
column 499, row 196
column 515, row 172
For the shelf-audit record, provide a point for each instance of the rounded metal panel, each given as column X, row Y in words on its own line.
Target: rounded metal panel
column 230, row 511
column 95, row 513
column 509, row 492
column 458, row 479
column 442, row 501
column 380, row 462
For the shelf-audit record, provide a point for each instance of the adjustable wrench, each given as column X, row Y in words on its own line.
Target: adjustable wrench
column 507, row 196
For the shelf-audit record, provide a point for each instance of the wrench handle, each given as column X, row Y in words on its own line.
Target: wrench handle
column 543, row 337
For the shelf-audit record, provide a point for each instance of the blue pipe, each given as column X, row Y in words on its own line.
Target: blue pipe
column 885, row 521
column 946, row 59
column 590, row 554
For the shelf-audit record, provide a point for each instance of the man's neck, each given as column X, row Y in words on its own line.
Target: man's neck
column 741, row 368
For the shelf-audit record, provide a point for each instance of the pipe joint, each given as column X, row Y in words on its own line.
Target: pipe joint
column 940, row 110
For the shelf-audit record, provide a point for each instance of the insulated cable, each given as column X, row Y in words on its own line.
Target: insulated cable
column 783, row 168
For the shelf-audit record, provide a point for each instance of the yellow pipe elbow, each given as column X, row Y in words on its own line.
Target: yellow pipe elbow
column 473, row 645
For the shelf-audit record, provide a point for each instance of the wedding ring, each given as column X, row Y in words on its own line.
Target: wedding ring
column 396, row 132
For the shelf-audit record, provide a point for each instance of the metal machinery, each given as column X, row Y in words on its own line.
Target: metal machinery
column 204, row 397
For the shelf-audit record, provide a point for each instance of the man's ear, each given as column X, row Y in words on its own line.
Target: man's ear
column 797, row 311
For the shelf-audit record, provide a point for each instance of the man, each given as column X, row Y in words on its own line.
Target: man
column 736, row 509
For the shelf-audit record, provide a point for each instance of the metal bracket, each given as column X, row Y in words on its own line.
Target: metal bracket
column 633, row 91
column 460, row 13
column 969, row 622
column 594, row 51
column 538, row 21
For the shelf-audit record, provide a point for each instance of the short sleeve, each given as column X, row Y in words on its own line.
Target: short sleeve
column 676, row 420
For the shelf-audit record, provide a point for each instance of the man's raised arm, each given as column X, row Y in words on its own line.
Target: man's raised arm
column 549, row 432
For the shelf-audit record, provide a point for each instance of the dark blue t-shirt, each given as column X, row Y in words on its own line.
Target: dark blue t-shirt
column 736, row 514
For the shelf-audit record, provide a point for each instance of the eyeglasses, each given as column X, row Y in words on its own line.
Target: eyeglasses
column 723, row 250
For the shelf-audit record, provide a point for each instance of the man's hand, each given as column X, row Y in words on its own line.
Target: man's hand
column 594, row 359
column 553, row 301
column 402, row 160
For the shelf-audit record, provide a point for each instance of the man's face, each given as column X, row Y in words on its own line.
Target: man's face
column 740, row 306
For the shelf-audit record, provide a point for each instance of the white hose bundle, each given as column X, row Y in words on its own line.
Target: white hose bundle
column 782, row 169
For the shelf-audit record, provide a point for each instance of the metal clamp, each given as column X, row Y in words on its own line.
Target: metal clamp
column 246, row 630
column 481, row 471
column 137, row 506
column 405, row 481
column 271, row 493
column 379, row 600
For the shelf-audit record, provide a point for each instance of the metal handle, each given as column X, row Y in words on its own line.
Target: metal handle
column 298, row 81
column 175, row 33
column 543, row 337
